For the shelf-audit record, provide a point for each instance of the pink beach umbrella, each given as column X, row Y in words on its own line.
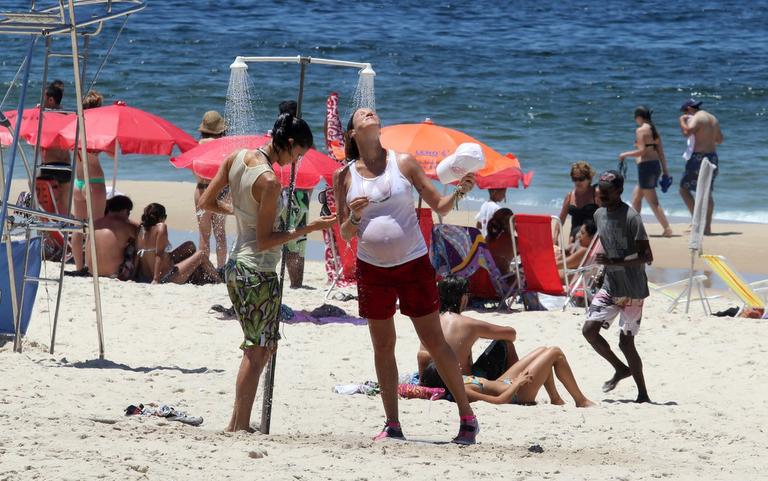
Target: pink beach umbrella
column 205, row 159
column 133, row 130
column 53, row 123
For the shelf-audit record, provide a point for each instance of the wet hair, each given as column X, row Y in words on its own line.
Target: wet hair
column 431, row 378
column 498, row 223
column 55, row 91
column 92, row 99
column 450, row 291
column 288, row 107
column 582, row 169
column 289, row 127
column 645, row 114
column 351, row 151
column 153, row 214
column 590, row 227
column 118, row 203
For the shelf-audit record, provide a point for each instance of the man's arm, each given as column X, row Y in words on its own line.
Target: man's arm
column 494, row 332
column 688, row 125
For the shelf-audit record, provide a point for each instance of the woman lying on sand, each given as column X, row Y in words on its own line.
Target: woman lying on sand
column 159, row 263
column 521, row 382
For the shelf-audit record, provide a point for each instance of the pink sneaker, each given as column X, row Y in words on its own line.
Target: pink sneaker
column 391, row 431
column 468, row 429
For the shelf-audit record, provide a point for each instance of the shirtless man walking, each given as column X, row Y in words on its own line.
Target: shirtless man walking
column 707, row 135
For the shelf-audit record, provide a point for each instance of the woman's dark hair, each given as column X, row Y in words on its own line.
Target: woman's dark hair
column 289, row 127
column 498, row 223
column 645, row 114
column 153, row 214
column 450, row 290
column 431, row 378
column 350, row 146
column 590, row 227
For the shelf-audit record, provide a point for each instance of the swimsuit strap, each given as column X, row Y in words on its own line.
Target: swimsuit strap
column 264, row 152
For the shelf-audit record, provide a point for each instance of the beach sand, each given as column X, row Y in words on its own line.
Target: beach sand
column 62, row 414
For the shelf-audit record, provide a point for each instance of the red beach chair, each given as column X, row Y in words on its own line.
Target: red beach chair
column 532, row 240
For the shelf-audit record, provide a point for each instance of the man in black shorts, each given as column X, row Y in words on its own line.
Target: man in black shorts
column 56, row 163
column 705, row 129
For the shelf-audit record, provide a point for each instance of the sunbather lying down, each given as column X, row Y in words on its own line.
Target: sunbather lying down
column 521, row 382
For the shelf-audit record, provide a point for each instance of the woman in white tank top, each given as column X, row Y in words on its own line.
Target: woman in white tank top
column 250, row 271
column 376, row 205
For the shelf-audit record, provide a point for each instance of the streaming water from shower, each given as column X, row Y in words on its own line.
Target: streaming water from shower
column 239, row 112
column 365, row 96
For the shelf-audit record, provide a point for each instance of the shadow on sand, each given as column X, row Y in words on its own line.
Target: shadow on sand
column 107, row 364
column 723, row 234
column 632, row 401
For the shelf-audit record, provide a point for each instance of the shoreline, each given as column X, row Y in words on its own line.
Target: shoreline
column 741, row 242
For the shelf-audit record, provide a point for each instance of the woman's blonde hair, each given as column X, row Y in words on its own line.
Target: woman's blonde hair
column 582, row 169
column 92, row 99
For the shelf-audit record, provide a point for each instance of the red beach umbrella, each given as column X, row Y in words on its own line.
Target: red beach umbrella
column 205, row 159
column 135, row 131
column 430, row 143
column 53, row 122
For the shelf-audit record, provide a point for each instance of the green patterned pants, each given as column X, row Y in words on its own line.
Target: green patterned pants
column 256, row 299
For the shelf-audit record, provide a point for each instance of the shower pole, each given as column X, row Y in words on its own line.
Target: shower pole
column 241, row 63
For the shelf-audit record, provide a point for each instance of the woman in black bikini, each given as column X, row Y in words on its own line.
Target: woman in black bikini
column 582, row 202
column 651, row 164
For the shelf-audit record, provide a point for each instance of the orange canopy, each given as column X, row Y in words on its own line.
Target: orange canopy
column 430, row 143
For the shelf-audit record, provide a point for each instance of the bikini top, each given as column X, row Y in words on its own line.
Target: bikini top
column 153, row 250
column 580, row 214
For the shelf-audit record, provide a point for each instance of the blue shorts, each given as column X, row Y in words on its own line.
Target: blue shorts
column 648, row 174
column 691, row 176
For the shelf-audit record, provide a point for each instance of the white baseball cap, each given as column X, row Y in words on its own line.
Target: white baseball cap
column 467, row 158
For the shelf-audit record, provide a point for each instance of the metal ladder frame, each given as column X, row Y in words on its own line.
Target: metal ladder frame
column 46, row 23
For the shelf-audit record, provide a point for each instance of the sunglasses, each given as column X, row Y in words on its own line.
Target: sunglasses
column 375, row 193
column 578, row 179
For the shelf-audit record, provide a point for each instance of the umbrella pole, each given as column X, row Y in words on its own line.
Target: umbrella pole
column 269, row 383
column 114, row 169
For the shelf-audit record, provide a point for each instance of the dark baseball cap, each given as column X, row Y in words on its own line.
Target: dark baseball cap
column 612, row 178
column 690, row 103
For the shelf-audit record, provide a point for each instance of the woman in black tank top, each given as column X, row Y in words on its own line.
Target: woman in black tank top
column 581, row 203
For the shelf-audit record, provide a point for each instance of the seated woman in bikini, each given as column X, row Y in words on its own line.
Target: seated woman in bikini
column 158, row 263
column 521, row 382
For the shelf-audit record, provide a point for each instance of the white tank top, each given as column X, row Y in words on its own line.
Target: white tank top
column 389, row 233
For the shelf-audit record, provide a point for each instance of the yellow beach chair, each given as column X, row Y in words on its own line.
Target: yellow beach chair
column 743, row 290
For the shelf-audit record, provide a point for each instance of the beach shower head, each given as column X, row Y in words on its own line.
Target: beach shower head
column 238, row 64
column 367, row 71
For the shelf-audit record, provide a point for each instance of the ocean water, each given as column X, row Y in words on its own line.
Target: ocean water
column 553, row 82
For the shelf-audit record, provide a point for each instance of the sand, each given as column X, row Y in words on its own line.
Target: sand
column 62, row 414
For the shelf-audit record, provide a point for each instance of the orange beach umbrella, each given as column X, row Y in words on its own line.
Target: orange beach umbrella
column 430, row 143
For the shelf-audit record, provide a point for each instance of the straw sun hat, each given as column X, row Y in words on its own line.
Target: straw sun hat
column 213, row 123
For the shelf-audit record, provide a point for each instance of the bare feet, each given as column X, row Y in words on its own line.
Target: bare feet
column 557, row 401
column 586, row 403
column 247, row 429
column 643, row 398
column 611, row 384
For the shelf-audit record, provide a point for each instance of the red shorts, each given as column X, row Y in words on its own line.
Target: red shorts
column 413, row 283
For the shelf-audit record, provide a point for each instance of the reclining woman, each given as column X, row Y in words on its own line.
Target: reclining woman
column 159, row 263
column 579, row 248
column 520, row 383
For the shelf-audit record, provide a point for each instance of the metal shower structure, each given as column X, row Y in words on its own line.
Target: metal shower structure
column 365, row 72
column 75, row 19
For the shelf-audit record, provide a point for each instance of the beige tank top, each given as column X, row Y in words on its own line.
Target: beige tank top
column 246, row 208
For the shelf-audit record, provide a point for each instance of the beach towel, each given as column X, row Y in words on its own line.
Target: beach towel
column 462, row 251
column 334, row 131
